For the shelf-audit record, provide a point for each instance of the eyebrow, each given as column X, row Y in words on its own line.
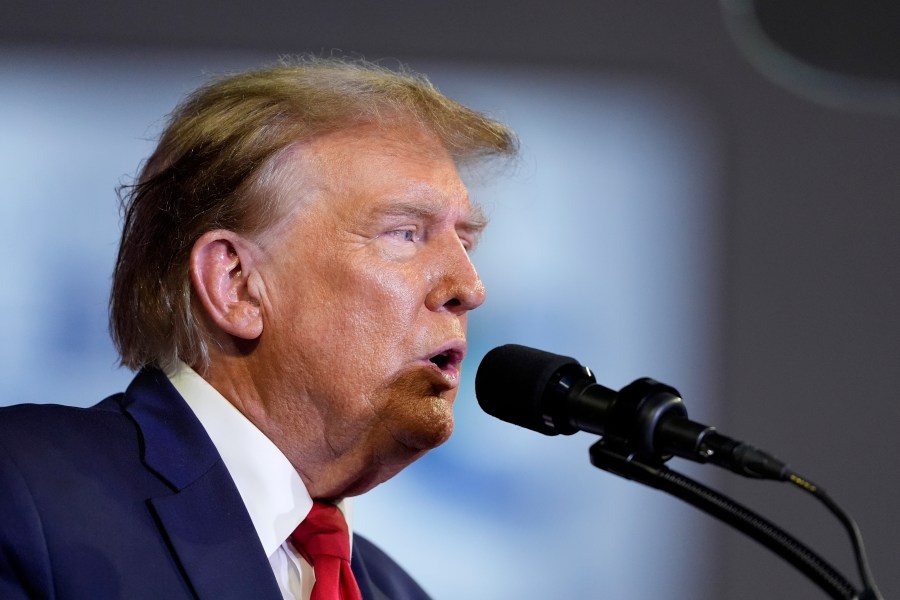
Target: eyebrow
column 474, row 223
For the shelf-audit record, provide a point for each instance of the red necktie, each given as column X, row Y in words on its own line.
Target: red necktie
column 323, row 540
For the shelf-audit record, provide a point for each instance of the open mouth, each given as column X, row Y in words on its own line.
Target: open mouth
column 449, row 360
column 441, row 360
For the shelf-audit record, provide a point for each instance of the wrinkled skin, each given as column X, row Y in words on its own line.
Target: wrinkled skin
column 350, row 298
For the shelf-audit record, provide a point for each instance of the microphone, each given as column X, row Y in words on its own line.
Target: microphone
column 554, row 394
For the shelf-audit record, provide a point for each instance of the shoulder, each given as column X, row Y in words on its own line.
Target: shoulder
column 42, row 427
column 33, row 427
column 59, row 449
column 49, row 455
column 384, row 578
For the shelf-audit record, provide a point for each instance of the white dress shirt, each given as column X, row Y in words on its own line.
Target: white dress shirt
column 270, row 487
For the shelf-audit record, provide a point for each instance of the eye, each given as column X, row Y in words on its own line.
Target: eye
column 468, row 242
column 405, row 234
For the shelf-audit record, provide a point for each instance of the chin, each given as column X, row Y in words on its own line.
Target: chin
column 427, row 425
column 417, row 411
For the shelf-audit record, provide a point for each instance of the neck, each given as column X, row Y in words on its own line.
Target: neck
column 331, row 467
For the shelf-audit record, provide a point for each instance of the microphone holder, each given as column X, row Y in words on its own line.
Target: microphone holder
column 623, row 461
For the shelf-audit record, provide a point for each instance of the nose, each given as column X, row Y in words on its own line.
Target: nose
column 456, row 286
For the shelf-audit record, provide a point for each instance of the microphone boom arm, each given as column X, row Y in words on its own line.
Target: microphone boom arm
column 605, row 456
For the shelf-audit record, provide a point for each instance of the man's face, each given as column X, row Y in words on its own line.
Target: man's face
column 365, row 294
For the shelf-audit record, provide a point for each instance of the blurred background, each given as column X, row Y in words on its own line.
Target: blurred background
column 707, row 195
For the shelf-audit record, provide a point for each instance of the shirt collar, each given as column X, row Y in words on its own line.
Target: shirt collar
column 270, row 487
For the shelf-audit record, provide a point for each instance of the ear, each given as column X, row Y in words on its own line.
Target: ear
column 222, row 271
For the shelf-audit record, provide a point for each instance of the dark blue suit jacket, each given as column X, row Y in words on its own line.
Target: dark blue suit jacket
column 130, row 499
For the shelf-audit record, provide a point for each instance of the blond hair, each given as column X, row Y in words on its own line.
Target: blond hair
column 206, row 171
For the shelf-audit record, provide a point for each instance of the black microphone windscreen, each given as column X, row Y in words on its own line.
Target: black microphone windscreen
column 511, row 382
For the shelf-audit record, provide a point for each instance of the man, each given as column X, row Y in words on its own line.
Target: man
column 292, row 286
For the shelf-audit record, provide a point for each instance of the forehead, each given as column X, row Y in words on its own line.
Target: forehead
column 384, row 152
column 369, row 168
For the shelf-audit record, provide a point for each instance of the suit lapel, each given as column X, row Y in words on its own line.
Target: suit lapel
column 204, row 519
column 367, row 587
column 379, row 577
column 214, row 540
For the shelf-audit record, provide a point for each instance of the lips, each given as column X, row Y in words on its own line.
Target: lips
column 448, row 359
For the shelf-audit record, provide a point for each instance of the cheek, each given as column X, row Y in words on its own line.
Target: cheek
column 404, row 286
column 383, row 300
column 362, row 324
column 354, row 313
